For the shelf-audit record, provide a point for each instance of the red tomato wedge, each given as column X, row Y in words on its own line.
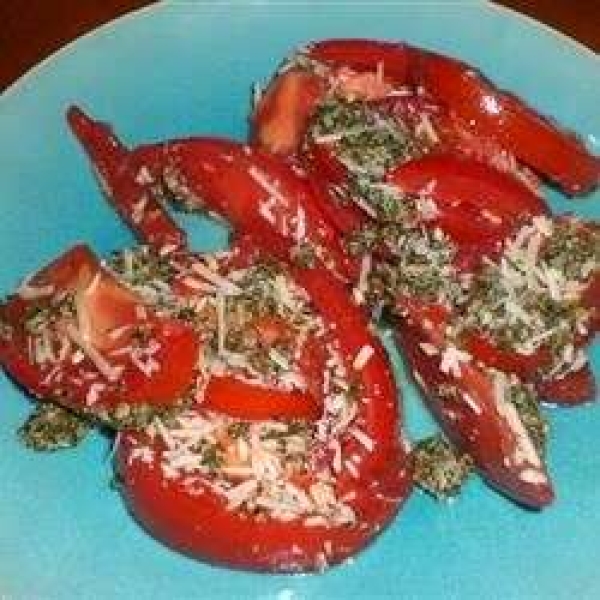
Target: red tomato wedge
column 591, row 299
column 454, row 180
column 257, row 193
column 526, row 366
column 573, row 389
column 376, row 483
column 500, row 116
column 474, row 103
column 282, row 114
column 465, row 401
column 120, row 180
column 201, row 525
column 74, row 334
column 253, row 402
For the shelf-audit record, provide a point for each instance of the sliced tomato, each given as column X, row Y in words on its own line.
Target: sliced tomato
column 186, row 519
column 257, row 193
column 467, row 228
column 200, row 524
column 573, row 389
column 483, row 109
column 492, row 114
column 96, row 348
column 591, row 300
column 242, row 400
column 455, row 180
column 282, row 114
column 395, row 60
column 129, row 189
column 344, row 214
column 381, row 413
column 525, row 366
column 323, row 163
column 465, row 403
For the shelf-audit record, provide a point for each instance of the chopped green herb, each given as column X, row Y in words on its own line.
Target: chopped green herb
column 212, row 457
column 142, row 266
column 367, row 141
column 51, row 427
column 304, row 255
column 440, row 469
column 573, row 250
column 524, row 400
column 422, row 264
column 238, row 429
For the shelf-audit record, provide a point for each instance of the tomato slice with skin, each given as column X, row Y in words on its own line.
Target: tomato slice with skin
column 228, row 179
column 500, row 116
column 525, row 366
column 450, row 179
column 326, row 172
column 187, row 520
column 488, row 112
column 93, row 360
column 257, row 193
column 253, row 402
column 130, row 189
column 591, row 299
column 232, row 394
column 575, row 388
column 480, row 424
column 282, row 114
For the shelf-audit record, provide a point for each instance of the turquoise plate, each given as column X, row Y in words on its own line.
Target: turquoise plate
column 178, row 68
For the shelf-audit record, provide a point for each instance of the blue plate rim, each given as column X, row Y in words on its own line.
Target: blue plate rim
column 38, row 68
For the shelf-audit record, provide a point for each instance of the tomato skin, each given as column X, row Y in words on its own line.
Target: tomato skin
column 177, row 356
column 253, row 402
column 200, row 525
column 327, row 171
column 470, row 418
column 222, row 177
column 106, row 307
column 129, row 189
column 500, row 116
column 229, row 179
column 478, row 206
column 525, row 366
column 451, row 180
column 573, row 389
column 591, row 300
column 476, row 103
column 381, row 412
column 187, row 521
column 397, row 59
column 282, row 114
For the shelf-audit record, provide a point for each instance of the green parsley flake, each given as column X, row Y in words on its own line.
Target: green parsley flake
column 524, row 400
column 440, row 469
column 367, row 141
column 51, row 427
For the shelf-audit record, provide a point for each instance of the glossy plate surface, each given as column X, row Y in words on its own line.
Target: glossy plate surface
column 180, row 68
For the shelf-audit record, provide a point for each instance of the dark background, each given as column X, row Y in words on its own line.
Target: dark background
column 30, row 30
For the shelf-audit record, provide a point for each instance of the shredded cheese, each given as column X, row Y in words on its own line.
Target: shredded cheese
column 363, row 357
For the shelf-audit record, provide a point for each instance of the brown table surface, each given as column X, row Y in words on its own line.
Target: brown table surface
column 31, row 30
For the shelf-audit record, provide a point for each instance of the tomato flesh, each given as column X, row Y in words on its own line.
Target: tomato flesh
column 283, row 112
column 469, row 416
column 200, row 525
column 98, row 369
column 239, row 399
